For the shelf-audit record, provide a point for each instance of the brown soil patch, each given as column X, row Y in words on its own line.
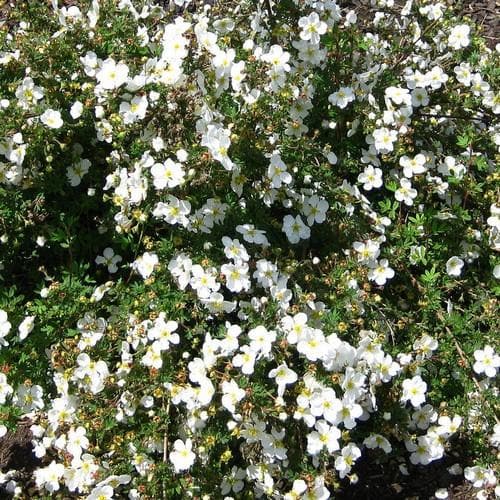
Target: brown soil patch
column 381, row 479
column 486, row 14
column 16, row 450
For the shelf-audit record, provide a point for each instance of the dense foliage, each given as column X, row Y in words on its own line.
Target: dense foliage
column 245, row 244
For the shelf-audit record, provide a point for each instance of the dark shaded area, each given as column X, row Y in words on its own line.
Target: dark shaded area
column 16, row 450
column 384, row 481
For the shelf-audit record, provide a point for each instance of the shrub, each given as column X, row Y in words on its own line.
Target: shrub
column 245, row 244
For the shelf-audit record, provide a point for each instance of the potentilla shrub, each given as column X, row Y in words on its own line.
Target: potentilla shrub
column 246, row 244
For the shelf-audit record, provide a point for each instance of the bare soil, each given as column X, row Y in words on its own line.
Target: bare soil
column 16, row 450
column 384, row 481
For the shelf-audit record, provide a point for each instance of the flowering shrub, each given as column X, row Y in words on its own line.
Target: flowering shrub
column 246, row 246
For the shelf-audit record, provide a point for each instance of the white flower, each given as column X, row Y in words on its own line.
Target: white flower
column 425, row 450
column 173, row 212
column 237, row 75
column 309, row 53
column 463, row 73
column 277, row 172
column 153, row 357
column 384, row 139
column 414, row 391
column 231, row 395
column 454, row 266
column 77, row 441
column 370, row 178
column 450, row 167
column 112, row 75
column 252, row 235
column 4, row 328
column 245, row 360
column 28, row 93
column 378, row 441
column 494, row 438
column 492, row 100
column 441, row 493
column 76, row 110
column 218, row 141
column 167, row 174
column 315, row 208
column 459, row 37
column 324, row 435
column 104, row 492
column 278, row 58
column 48, row 477
column 266, row 273
column 405, row 192
column 100, row 290
column 204, row 281
column 92, row 373
column 398, row 95
column 223, row 26
column 312, row 344
column 419, row 97
column 234, row 481
column 52, row 119
column 134, row 110
column 236, row 276
column 298, row 487
column 283, row 376
column 487, row 361
column 480, row 476
column 413, row 166
column 380, row 272
column 26, row 327
column 496, row 271
column 348, row 413
column 342, row 97
column 448, row 426
column 432, row 12
column 312, row 28
column 296, row 327
column 163, row 332
column 234, row 250
column 436, row 77
column 110, row 259
column 295, row 229
column 345, row 461
column 182, row 457
column 261, row 340
column 368, row 251
column 76, row 171
column 145, row 264
column 5, row 388
column 216, row 303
